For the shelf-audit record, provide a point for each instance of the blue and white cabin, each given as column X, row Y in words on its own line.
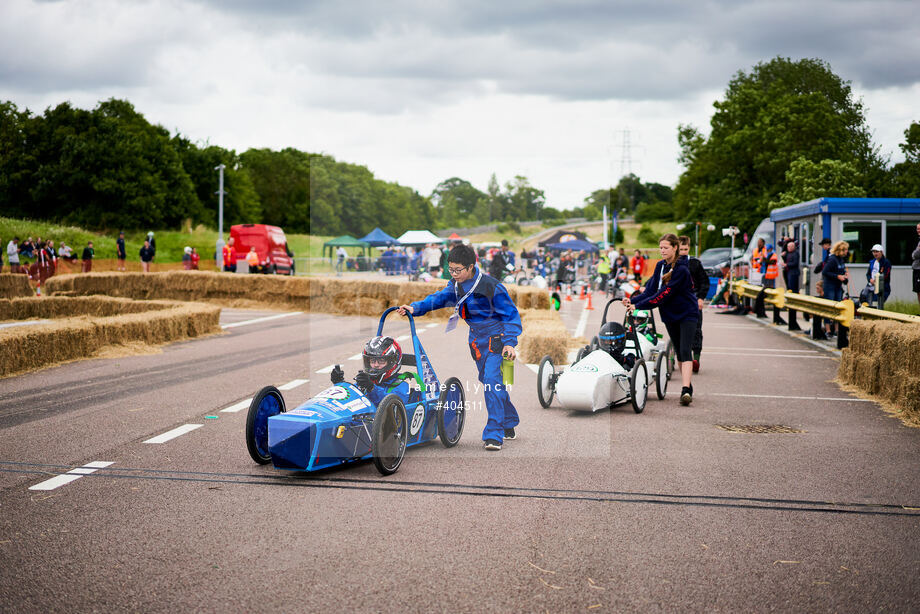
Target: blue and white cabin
column 861, row 222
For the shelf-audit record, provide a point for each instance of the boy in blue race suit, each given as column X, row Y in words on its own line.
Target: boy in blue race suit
column 380, row 377
column 494, row 324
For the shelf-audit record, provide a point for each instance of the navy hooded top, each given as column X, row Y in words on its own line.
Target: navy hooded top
column 675, row 300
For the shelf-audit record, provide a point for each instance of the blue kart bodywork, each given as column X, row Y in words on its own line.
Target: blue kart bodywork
column 337, row 426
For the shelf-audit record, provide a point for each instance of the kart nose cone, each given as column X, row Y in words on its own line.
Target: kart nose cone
column 290, row 441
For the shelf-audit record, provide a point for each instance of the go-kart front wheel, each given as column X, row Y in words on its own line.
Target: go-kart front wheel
column 582, row 352
column 451, row 412
column 638, row 386
column 391, row 433
column 267, row 402
column 546, row 389
column 662, row 373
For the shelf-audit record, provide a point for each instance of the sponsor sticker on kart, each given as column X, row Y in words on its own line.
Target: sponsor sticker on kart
column 584, row 369
column 337, row 393
column 358, row 404
column 308, row 413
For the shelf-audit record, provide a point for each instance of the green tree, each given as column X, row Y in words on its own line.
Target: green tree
column 465, row 195
column 522, row 200
column 809, row 180
column 906, row 175
column 781, row 111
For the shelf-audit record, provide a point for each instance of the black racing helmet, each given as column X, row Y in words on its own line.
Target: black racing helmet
column 612, row 338
column 389, row 350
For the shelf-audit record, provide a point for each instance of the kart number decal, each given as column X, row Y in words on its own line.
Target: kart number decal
column 584, row 369
column 417, row 419
column 334, row 392
column 358, row 404
column 309, row 413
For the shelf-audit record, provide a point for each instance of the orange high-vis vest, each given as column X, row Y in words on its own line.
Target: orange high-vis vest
column 228, row 255
column 252, row 259
column 772, row 267
column 757, row 258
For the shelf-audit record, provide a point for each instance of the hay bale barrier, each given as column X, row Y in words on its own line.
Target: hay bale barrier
column 883, row 360
column 82, row 326
column 12, row 286
column 544, row 332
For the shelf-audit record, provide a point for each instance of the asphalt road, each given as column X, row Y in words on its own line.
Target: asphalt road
column 663, row 511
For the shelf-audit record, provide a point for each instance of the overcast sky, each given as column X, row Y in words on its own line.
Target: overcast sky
column 568, row 94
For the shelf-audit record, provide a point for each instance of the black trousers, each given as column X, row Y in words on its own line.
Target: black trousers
column 682, row 334
column 698, row 337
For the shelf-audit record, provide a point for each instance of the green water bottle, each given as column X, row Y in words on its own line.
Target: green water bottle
column 507, row 372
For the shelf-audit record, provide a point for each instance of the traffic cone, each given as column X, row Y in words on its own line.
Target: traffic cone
column 568, row 294
column 589, row 306
column 581, row 294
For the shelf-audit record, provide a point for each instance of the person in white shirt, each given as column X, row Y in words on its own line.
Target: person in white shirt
column 12, row 252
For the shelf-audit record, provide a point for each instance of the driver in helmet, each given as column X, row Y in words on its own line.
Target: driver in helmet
column 380, row 377
column 612, row 339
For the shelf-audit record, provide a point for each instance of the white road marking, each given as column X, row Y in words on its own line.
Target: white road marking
column 27, row 323
column 748, row 350
column 752, row 354
column 176, row 432
column 582, row 323
column 355, row 357
column 326, row 369
column 777, row 396
column 236, row 407
column 402, row 337
column 432, row 325
column 293, row 384
column 258, row 320
column 70, row 476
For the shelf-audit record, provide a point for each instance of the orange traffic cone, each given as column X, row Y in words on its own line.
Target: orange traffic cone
column 568, row 294
column 581, row 294
column 589, row 306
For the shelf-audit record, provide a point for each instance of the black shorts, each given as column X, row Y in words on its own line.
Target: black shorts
column 682, row 334
column 916, row 273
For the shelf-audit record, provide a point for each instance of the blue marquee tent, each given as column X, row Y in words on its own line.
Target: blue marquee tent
column 575, row 245
column 378, row 238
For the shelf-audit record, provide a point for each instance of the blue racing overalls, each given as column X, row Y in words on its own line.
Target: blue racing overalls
column 494, row 323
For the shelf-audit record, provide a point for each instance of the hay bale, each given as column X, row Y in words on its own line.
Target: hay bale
column 12, row 286
column 93, row 323
column 883, row 359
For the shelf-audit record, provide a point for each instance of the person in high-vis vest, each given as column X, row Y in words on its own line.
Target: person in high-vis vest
column 495, row 325
column 603, row 269
column 769, row 266
column 229, row 257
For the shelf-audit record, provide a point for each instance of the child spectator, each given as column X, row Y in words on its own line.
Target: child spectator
column 88, row 253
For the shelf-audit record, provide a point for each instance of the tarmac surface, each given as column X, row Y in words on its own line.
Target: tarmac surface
column 668, row 510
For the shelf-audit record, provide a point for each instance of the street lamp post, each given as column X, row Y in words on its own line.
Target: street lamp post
column 709, row 227
column 219, row 254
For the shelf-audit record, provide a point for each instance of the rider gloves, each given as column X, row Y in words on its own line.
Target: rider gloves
column 337, row 375
column 363, row 380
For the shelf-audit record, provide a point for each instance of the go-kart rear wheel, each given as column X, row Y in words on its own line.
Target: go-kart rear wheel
column 638, row 386
column 545, row 388
column 451, row 412
column 662, row 373
column 267, row 402
column 391, row 433
column 672, row 358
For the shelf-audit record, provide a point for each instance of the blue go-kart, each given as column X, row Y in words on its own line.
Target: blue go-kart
column 340, row 425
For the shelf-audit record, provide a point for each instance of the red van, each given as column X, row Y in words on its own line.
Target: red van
column 270, row 243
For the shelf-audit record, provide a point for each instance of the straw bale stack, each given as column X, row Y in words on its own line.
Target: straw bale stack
column 12, row 286
column 544, row 333
column 92, row 323
column 883, row 359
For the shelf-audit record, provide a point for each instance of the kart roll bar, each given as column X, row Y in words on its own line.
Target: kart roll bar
column 383, row 318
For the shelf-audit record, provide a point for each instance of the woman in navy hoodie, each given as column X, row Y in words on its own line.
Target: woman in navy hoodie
column 670, row 289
